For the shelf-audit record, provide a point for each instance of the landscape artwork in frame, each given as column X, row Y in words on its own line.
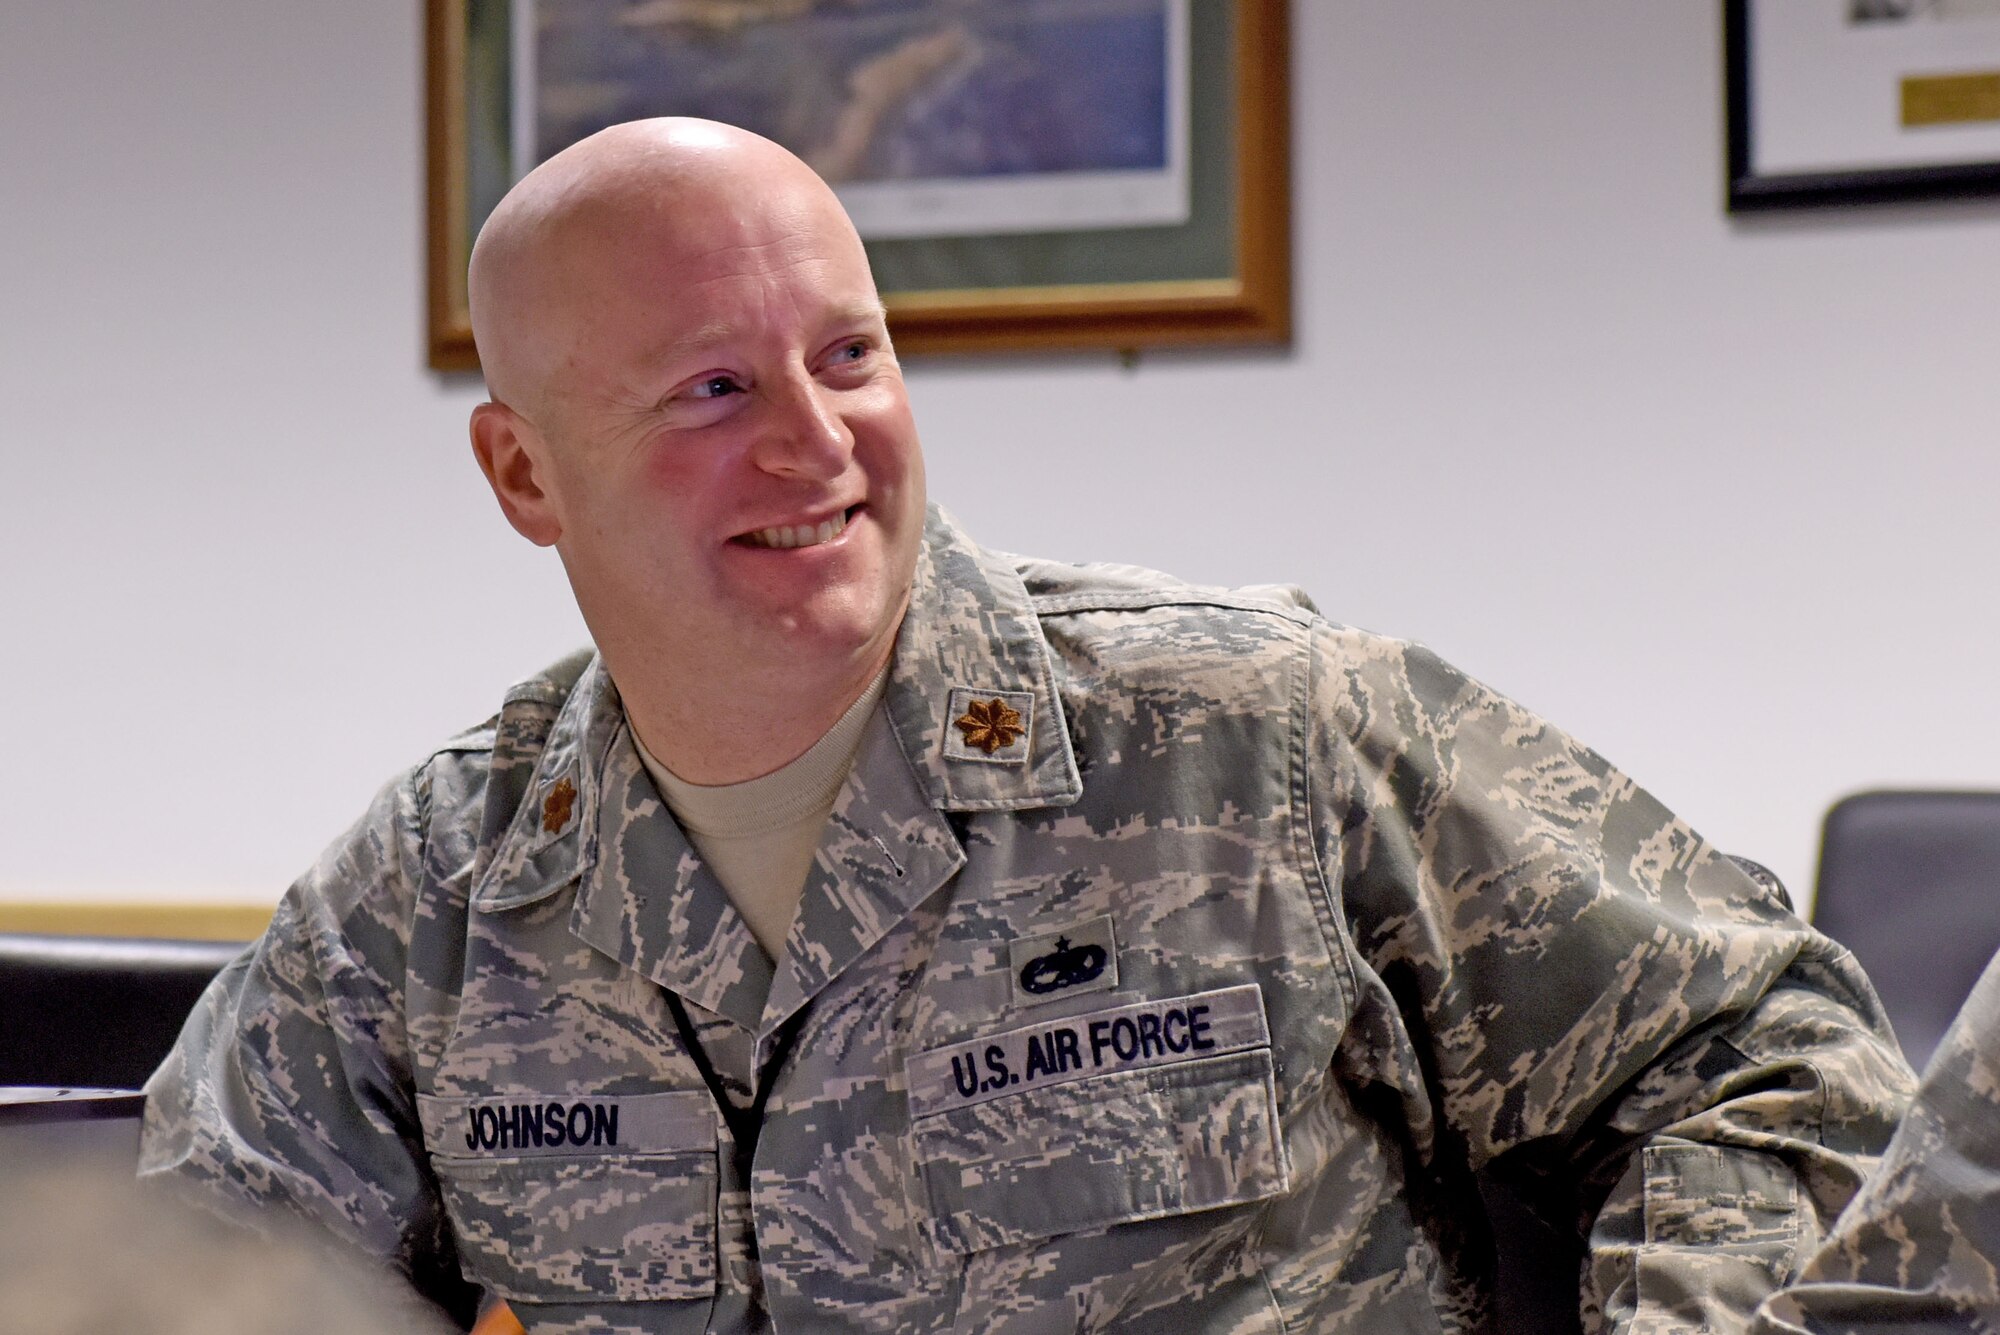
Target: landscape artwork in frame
column 1861, row 101
column 1027, row 174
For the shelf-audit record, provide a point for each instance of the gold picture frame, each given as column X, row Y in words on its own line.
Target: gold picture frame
column 1223, row 277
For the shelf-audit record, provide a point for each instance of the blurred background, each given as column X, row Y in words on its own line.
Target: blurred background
column 1715, row 495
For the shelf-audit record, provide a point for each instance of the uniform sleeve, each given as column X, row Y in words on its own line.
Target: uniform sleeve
column 1919, row 1248
column 289, row 1092
column 1587, row 1001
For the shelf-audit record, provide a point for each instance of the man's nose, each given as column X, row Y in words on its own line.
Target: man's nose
column 807, row 437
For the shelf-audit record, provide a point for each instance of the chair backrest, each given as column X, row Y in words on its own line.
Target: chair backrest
column 42, row 1128
column 97, row 1011
column 1910, row 882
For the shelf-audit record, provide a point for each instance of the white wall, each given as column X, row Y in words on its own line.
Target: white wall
column 1717, row 497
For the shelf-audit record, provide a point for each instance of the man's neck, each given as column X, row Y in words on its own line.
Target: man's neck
column 728, row 731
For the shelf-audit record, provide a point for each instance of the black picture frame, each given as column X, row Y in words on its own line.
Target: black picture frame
column 1751, row 190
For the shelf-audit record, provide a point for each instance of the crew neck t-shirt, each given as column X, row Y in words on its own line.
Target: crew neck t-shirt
column 758, row 836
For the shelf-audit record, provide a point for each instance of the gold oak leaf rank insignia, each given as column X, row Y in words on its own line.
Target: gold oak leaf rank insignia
column 557, row 806
column 990, row 725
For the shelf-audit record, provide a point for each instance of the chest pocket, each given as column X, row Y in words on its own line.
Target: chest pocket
column 567, row 1198
column 1027, row 1156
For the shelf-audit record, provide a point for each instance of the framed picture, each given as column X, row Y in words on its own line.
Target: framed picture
column 1098, row 174
column 1861, row 101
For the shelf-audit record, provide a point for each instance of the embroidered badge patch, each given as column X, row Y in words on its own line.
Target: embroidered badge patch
column 988, row 725
column 1080, row 958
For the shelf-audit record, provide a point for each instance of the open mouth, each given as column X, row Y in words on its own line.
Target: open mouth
column 801, row 535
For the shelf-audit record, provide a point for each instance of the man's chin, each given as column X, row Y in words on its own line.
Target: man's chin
column 819, row 641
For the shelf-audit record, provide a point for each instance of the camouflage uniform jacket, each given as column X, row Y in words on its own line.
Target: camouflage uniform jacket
column 1168, row 959
column 1919, row 1248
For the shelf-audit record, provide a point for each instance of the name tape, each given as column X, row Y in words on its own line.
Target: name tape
column 1123, row 1038
column 512, row 1125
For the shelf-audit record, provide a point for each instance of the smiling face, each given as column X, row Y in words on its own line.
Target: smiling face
column 712, row 421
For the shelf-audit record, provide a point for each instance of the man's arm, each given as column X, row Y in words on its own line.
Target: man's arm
column 290, row 1088
column 1605, row 1011
column 1919, row 1248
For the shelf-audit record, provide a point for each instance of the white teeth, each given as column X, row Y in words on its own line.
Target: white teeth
column 801, row 535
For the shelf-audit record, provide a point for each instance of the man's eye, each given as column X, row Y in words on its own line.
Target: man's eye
column 850, row 353
column 715, row 387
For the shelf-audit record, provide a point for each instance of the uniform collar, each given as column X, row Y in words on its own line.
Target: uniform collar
column 591, row 816
column 971, row 637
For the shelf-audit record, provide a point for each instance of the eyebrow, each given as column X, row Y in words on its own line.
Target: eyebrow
column 692, row 342
column 717, row 332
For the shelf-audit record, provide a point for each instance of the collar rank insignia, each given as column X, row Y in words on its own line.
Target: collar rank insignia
column 557, row 806
column 989, row 725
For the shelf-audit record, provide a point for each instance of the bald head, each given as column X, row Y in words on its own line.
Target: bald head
column 602, row 216
column 698, row 405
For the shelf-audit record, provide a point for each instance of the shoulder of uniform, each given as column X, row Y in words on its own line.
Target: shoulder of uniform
column 445, row 811
column 534, row 700
column 553, row 684
column 478, row 737
column 1055, row 588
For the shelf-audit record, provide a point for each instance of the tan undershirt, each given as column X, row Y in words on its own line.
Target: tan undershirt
column 758, row 836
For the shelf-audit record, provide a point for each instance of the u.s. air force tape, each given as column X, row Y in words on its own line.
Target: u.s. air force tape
column 1123, row 1038
column 479, row 1125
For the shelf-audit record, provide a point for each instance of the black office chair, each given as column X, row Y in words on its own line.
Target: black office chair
column 97, row 1011
column 1910, row 882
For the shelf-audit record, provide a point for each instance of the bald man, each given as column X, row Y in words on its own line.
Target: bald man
column 878, row 933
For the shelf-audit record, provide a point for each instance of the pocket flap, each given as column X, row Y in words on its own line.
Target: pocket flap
column 575, row 1198
column 1107, row 1149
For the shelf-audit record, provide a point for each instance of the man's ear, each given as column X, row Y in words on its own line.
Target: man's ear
column 501, row 442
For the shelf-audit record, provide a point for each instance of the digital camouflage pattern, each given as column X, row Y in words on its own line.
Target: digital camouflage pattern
column 1919, row 1249
column 1373, row 926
